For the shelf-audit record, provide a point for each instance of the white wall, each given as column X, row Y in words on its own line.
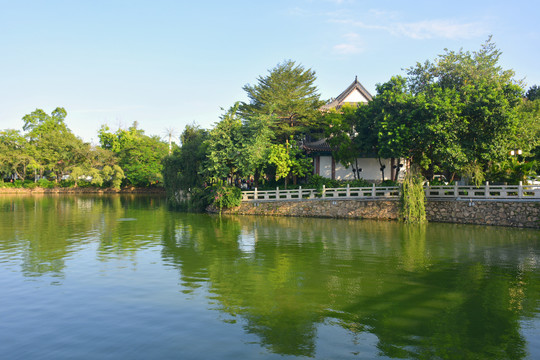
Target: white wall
column 326, row 167
column 370, row 169
column 355, row 97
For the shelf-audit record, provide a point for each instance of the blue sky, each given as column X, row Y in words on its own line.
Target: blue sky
column 166, row 64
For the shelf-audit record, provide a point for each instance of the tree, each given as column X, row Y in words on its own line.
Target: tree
column 487, row 98
column 449, row 114
column 289, row 160
column 15, row 154
column 288, row 93
column 183, row 169
column 139, row 156
column 533, row 93
column 525, row 137
column 257, row 142
column 224, row 146
column 56, row 148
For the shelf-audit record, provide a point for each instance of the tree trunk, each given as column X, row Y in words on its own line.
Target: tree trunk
column 382, row 168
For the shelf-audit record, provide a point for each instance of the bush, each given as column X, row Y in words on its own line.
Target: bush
column 67, row 183
column 360, row 183
column 46, row 184
column 6, row 185
column 388, row 183
column 225, row 197
column 317, row 182
column 85, row 184
column 29, row 184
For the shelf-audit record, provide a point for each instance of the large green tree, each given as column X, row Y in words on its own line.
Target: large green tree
column 449, row 115
column 54, row 146
column 15, row 154
column 289, row 94
column 480, row 97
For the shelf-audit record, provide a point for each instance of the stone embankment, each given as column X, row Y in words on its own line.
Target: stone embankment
column 502, row 213
column 484, row 212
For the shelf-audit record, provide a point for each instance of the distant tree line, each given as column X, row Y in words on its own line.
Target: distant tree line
column 46, row 153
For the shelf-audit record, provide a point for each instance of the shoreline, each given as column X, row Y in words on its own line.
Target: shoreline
column 59, row 190
column 491, row 213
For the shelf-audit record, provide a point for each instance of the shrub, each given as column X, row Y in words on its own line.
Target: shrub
column 67, row 183
column 224, row 197
column 388, row 183
column 359, row 183
column 317, row 182
column 29, row 184
column 46, row 184
column 6, row 185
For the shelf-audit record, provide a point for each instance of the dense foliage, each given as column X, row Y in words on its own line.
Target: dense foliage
column 461, row 115
column 288, row 94
column 139, row 155
column 46, row 149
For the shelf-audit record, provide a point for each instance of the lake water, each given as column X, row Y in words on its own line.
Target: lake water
column 121, row 277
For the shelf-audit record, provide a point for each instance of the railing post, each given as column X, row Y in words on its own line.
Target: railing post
column 456, row 190
column 255, row 195
column 486, row 190
column 300, row 192
column 277, row 192
column 520, row 190
column 323, row 191
column 373, row 190
column 427, row 190
column 348, row 191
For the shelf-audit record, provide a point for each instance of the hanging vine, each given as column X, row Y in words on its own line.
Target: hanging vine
column 413, row 198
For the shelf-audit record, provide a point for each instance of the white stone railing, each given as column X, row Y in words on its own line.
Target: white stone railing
column 484, row 192
column 371, row 192
column 493, row 192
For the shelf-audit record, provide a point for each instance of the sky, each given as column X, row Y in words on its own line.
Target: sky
column 167, row 64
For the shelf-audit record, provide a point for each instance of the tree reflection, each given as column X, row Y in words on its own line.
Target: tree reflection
column 45, row 230
column 439, row 291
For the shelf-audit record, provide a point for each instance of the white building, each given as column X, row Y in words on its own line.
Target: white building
column 366, row 166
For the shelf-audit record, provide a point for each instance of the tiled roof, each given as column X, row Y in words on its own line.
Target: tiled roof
column 319, row 145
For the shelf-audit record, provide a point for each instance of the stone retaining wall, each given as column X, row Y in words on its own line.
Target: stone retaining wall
column 375, row 209
column 503, row 213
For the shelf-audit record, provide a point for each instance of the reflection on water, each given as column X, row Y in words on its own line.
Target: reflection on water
column 317, row 288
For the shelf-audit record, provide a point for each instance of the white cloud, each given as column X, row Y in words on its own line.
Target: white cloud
column 447, row 29
column 425, row 29
column 352, row 45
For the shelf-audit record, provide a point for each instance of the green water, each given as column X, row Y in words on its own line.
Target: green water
column 118, row 277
